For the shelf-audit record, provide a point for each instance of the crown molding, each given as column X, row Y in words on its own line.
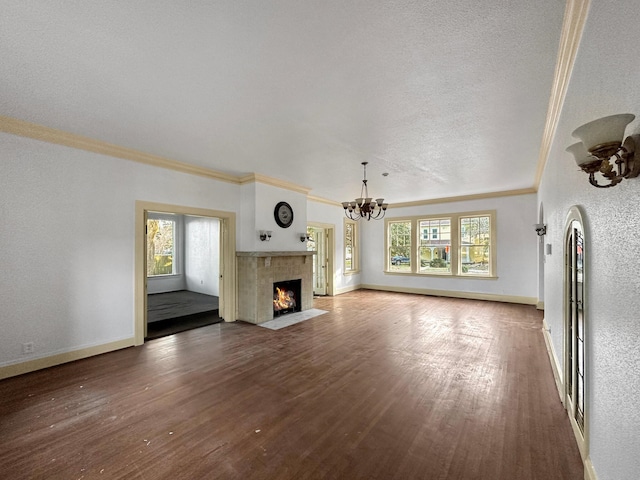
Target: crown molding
column 51, row 135
column 464, row 198
column 258, row 178
column 59, row 137
column 333, row 203
column 575, row 17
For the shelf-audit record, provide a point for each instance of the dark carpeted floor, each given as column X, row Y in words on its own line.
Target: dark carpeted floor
column 162, row 306
column 173, row 312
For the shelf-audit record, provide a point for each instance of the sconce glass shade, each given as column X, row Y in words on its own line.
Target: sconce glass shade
column 603, row 131
column 580, row 153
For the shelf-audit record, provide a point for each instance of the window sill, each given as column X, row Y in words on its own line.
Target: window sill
column 441, row 275
column 168, row 275
column 352, row 272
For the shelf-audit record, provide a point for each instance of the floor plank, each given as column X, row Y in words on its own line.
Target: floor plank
column 384, row 386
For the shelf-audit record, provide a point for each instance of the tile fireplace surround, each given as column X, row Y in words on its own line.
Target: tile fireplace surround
column 258, row 271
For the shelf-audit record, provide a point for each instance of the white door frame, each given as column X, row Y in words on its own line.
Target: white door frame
column 330, row 253
column 228, row 307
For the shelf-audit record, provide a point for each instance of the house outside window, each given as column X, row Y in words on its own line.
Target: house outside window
column 435, row 246
column 456, row 244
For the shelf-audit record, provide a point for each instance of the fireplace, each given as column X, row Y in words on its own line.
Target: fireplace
column 286, row 297
column 257, row 274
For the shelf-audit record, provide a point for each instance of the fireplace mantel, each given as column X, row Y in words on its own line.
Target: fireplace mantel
column 258, row 271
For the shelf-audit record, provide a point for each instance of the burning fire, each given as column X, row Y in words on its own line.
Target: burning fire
column 283, row 299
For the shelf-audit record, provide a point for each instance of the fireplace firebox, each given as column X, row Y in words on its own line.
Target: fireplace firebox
column 286, row 297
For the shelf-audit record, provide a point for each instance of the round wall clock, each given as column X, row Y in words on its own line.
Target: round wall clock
column 283, row 214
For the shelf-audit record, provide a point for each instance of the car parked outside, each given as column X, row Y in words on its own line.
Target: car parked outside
column 399, row 259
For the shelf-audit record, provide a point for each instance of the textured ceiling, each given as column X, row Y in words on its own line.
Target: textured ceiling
column 450, row 98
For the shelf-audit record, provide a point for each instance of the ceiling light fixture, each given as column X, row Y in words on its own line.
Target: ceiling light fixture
column 602, row 144
column 365, row 207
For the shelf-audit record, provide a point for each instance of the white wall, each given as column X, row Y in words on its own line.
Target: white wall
column 604, row 82
column 202, row 254
column 67, row 241
column 516, row 249
column 333, row 215
column 258, row 204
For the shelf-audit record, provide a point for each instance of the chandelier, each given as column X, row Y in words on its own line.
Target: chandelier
column 365, row 207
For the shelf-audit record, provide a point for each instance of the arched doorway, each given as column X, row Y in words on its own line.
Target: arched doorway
column 576, row 327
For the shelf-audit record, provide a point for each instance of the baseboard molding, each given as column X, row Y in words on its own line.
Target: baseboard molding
column 455, row 294
column 589, row 472
column 60, row 358
column 350, row 288
column 553, row 359
column 540, row 305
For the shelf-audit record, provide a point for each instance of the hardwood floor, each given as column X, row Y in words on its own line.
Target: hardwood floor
column 384, row 386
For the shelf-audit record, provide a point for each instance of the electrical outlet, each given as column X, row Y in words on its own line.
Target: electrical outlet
column 27, row 348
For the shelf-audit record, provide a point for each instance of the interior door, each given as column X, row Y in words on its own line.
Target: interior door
column 320, row 261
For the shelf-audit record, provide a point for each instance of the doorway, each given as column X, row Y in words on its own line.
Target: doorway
column 322, row 242
column 541, row 260
column 183, row 264
column 225, row 276
column 575, row 327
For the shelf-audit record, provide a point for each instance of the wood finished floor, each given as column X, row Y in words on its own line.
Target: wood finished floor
column 384, row 386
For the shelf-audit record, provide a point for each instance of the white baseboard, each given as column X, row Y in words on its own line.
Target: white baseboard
column 455, row 294
column 553, row 359
column 350, row 288
column 589, row 472
column 60, row 358
column 540, row 305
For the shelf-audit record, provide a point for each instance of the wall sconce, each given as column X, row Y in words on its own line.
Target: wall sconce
column 304, row 237
column 265, row 235
column 602, row 144
column 541, row 229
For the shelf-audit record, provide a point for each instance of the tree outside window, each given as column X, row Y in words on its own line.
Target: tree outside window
column 455, row 244
column 160, row 247
column 350, row 247
column 475, row 245
column 400, row 246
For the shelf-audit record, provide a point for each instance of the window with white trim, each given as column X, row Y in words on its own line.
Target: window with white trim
column 161, row 245
column 455, row 244
column 351, row 254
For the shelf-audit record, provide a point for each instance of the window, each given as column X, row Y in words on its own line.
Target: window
column 161, row 240
column 460, row 244
column 435, row 251
column 351, row 260
column 475, row 245
column 399, row 250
